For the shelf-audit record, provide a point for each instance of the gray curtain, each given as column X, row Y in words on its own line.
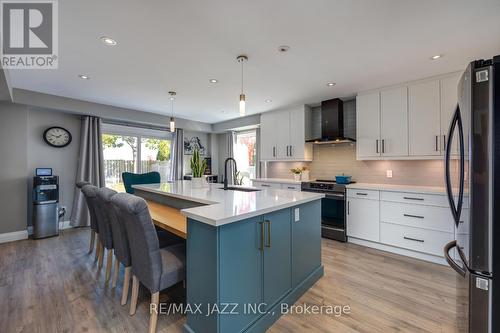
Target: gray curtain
column 90, row 167
column 177, row 155
column 257, row 154
column 230, row 142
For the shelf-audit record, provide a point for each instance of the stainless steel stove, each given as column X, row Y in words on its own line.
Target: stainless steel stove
column 333, row 211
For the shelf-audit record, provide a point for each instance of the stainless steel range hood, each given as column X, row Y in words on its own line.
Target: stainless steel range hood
column 332, row 123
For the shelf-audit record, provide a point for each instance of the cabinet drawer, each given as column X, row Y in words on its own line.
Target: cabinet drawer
column 363, row 194
column 415, row 198
column 291, row 187
column 422, row 240
column 266, row 185
column 420, row 216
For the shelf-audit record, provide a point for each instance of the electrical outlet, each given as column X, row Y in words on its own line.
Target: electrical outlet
column 297, row 215
column 389, row 174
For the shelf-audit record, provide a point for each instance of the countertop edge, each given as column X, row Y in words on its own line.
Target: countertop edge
column 399, row 188
column 216, row 223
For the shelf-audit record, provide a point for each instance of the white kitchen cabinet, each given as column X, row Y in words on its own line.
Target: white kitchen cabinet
column 368, row 125
column 424, row 118
column 449, row 98
column 394, row 122
column 268, row 132
column 283, row 135
column 363, row 218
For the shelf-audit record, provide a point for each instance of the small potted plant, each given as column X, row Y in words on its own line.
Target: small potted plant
column 296, row 173
column 198, row 168
column 305, row 174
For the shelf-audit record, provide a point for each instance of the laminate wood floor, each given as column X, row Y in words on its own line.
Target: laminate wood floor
column 53, row 285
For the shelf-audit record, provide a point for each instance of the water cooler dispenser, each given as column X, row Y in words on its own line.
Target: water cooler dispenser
column 45, row 206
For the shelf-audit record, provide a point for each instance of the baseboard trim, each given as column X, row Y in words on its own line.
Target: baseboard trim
column 400, row 251
column 13, row 236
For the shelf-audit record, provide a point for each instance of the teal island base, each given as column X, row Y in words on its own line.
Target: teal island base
column 240, row 275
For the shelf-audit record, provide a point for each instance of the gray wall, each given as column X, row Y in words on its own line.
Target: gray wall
column 63, row 161
column 13, row 166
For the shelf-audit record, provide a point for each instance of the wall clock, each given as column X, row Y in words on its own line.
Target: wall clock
column 57, row 137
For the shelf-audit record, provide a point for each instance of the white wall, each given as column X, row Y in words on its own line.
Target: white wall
column 13, row 163
column 63, row 161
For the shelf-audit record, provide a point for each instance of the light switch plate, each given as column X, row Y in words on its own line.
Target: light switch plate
column 389, row 174
column 297, row 214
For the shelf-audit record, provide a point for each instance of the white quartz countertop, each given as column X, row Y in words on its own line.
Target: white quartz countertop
column 222, row 207
column 398, row 188
column 277, row 180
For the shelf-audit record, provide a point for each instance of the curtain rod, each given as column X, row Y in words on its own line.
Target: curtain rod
column 136, row 125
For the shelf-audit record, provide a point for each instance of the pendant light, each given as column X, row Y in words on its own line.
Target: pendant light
column 172, row 121
column 241, row 59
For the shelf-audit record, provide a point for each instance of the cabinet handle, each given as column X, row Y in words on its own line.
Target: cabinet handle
column 291, row 188
column 265, row 185
column 414, row 239
column 437, row 143
column 348, row 208
column 360, row 193
column 383, row 146
column 268, row 223
column 261, row 245
column 411, row 198
column 376, row 146
column 444, row 142
column 274, row 151
column 414, row 216
column 291, row 154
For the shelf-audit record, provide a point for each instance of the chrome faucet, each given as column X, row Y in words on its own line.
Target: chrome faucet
column 225, row 170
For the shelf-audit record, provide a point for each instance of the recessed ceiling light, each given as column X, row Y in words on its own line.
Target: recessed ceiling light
column 268, row 100
column 284, row 48
column 436, row 57
column 108, row 41
column 214, row 80
column 331, row 84
column 84, row 76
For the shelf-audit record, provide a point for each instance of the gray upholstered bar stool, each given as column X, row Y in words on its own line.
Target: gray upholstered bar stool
column 105, row 233
column 121, row 248
column 91, row 199
column 93, row 228
column 156, row 268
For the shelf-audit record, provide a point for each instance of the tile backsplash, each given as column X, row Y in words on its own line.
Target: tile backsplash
column 330, row 160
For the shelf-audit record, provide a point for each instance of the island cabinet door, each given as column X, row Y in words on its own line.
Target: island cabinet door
column 306, row 240
column 240, row 274
column 277, row 256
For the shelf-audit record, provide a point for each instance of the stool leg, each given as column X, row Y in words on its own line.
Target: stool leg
column 153, row 319
column 101, row 256
column 126, row 281
column 135, row 295
column 109, row 264
column 92, row 241
column 115, row 273
column 97, row 246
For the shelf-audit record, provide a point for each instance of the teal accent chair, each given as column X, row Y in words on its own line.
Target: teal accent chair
column 130, row 179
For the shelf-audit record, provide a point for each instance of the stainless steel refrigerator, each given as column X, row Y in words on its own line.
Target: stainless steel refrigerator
column 472, row 169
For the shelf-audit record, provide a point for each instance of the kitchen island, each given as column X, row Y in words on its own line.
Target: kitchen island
column 248, row 252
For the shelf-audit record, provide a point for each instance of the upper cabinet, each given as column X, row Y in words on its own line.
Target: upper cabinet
column 425, row 129
column 409, row 121
column 368, row 125
column 382, row 124
column 283, row 135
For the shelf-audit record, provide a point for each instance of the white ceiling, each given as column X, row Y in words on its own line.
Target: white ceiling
column 179, row 45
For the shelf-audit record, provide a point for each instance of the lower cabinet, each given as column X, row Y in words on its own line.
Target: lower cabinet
column 256, row 265
column 363, row 218
column 395, row 221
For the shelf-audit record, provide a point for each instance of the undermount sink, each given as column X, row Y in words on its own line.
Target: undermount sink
column 243, row 189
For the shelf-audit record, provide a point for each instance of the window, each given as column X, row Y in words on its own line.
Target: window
column 245, row 154
column 134, row 150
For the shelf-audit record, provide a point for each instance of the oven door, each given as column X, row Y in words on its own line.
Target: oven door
column 333, row 214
